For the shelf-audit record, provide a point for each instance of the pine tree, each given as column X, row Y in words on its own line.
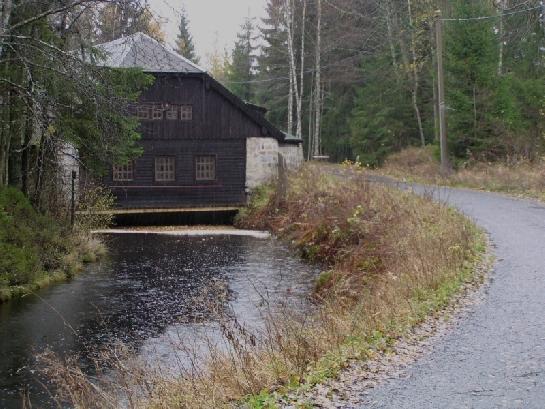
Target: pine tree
column 184, row 41
column 471, row 74
column 243, row 60
column 273, row 86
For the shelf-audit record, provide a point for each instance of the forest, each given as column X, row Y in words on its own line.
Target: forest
column 358, row 78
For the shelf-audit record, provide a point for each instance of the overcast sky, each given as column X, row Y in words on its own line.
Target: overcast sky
column 211, row 20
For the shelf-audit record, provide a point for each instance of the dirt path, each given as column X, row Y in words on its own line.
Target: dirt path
column 495, row 357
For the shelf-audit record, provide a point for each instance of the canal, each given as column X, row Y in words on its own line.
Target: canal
column 150, row 289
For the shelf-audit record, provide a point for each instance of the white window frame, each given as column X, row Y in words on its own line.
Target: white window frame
column 123, row 173
column 186, row 112
column 143, row 111
column 157, row 112
column 165, row 169
column 171, row 113
column 205, row 168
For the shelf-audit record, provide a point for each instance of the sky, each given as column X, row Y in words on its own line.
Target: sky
column 211, row 21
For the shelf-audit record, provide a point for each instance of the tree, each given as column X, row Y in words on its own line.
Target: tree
column 51, row 96
column 122, row 18
column 242, row 69
column 272, row 86
column 184, row 41
column 471, row 73
column 219, row 61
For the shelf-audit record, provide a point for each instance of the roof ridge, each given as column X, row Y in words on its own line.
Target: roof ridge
column 145, row 45
column 172, row 51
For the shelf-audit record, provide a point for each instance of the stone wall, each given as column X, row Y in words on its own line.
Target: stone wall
column 293, row 155
column 262, row 159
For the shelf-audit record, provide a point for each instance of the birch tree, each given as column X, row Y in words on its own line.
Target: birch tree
column 318, row 90
column 296, row 81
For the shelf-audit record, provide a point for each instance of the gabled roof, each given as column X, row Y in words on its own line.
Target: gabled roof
column 141, row 51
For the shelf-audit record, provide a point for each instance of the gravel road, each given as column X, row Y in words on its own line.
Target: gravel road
column 496, row 357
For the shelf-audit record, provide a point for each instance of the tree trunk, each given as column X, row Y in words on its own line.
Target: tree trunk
column 389, row 24
column 318, row 87
column 475, row 110
column 310, row 147
column 502, row 7
column 5, row 15
column 434, row 87
column 299, row 132
column 416, row 80
column 288, row 15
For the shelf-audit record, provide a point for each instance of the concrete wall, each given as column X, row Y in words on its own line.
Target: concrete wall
column 68, row 161
column 293, row 154
column 262, row 159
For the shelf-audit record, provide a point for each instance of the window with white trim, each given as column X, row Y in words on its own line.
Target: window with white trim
column 186, row 112
column 205, row 168
column 143, row 111
column 123, row 173
column 172, row 112
column 165, row 169
column 157, row 112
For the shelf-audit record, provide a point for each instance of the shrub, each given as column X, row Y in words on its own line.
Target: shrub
column 30, row 243
column 95, row 202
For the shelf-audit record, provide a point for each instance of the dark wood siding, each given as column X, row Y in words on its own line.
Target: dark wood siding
column 218, row 128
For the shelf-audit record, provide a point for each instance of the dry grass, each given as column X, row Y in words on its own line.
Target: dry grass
column 514, row 175
column 393, row 258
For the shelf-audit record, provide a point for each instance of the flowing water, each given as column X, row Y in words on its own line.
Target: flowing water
column 150, row 289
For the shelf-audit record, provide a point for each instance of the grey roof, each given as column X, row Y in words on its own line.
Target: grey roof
column 141, row 51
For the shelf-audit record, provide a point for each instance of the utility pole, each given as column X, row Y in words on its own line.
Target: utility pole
column 445, row 165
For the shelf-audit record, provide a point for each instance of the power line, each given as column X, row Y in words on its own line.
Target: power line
column 492, row 17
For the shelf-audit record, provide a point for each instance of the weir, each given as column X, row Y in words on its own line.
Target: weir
column 172, row 216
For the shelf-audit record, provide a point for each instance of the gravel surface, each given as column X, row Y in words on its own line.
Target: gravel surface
column 492, row 355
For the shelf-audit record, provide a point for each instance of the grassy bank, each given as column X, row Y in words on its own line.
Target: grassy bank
column 35, row 250
column 391, row 259
column 516, row 177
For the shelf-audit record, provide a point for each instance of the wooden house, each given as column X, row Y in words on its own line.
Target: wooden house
column 202, row 145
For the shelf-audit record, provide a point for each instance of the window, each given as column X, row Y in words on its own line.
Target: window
column 157, row 112
column 165, row 169
column 205, row 168
column 143, row 111
column 186, row 112
column 172, row 112
column 123, row 173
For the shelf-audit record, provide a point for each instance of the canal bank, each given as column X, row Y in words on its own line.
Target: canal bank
column 37, row 250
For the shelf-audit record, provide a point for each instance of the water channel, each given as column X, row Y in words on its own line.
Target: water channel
column 150, row 287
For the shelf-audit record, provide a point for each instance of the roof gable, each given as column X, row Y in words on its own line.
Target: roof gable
column 141, row 51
